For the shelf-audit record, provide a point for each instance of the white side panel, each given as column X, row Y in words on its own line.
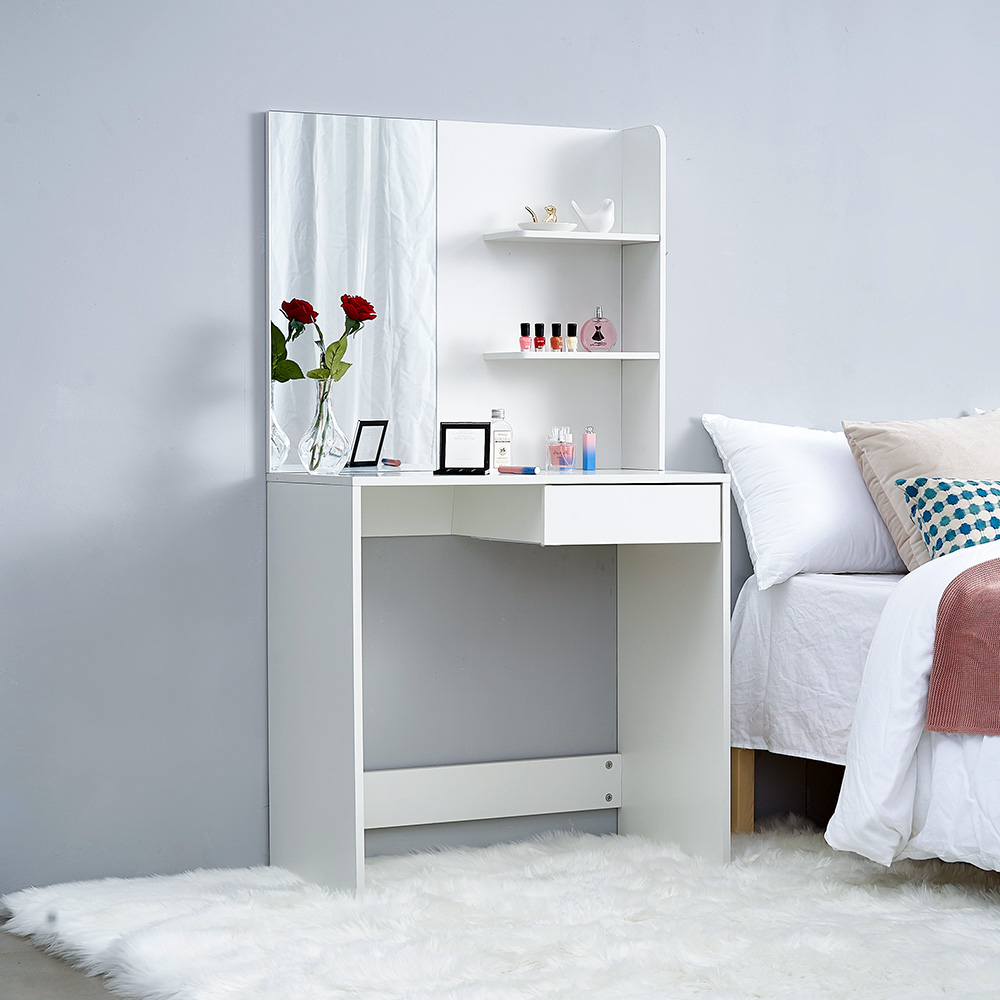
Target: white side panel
column 643, row 179
column 644, row 298
column 643, row 400
column 453, row 794
column 632, row 515
column 314, row 682
column 673, row 693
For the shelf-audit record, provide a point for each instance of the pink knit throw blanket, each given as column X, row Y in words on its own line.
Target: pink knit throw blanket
column 964, row 694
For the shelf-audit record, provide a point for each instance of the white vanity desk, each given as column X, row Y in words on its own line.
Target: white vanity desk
column 670, row 777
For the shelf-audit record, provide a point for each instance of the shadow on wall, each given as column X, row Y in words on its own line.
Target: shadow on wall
column 133, row 715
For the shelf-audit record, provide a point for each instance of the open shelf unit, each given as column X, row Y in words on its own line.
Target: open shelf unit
column 492, row 277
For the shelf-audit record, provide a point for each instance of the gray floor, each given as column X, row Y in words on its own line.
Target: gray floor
column 27, row 973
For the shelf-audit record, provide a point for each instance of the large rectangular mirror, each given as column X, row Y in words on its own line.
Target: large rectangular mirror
column 352, row 210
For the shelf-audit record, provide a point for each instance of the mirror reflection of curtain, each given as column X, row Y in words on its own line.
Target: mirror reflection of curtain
column 351, row 210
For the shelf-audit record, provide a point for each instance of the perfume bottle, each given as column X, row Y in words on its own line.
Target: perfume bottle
column 560, row 453
column 556, row 342
column 598, row 334
column 571, row 336
column 539, row 336
column 589, row 449
column 503, row 439
column 525, row 340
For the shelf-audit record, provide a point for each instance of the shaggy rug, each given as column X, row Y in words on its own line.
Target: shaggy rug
column 566, row 917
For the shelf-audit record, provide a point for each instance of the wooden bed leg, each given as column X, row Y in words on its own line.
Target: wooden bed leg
column 741, row 790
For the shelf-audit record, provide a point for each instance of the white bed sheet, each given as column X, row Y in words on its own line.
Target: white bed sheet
column 799, row 651
column 908, row 793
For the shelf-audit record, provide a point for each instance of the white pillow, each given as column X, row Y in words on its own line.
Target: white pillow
column 802, row 500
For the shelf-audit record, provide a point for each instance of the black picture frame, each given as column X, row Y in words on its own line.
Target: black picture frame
column 368, row 440
column 464, row 448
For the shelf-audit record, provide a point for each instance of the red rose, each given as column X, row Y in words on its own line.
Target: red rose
column 357, row 308
column 300, row 311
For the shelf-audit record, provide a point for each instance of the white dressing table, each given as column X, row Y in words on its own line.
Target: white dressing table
column 670, row 777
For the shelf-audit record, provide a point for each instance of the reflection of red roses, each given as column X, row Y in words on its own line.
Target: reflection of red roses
column 357, row 308
column 300, row 311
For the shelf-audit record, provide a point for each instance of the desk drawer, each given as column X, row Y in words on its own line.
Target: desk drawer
column 632, row 514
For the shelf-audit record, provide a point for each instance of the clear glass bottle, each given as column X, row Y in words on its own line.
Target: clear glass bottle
column 560, row 453
column 503, row 440
column 598, row 333
column 279, row 439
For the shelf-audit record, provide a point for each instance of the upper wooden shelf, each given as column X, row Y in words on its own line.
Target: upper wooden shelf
column 542, row 236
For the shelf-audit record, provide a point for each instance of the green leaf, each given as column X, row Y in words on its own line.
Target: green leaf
column 339, row 370
column 335, row 352
column 319, row 373
column 286, row 370
column 278, row 349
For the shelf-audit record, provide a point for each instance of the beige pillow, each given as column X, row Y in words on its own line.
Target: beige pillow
column 952, row 447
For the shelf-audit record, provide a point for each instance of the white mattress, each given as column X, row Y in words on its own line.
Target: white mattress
column 799, row 651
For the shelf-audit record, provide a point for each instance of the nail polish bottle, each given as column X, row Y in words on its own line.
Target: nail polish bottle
column 589, row 449
column 599, row 333
column 571, row 336
column 539, row 336
column 560, row 453
column 525, row 337
column 556, row 342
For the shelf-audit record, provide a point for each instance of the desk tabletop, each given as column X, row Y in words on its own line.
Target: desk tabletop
column 396, row 478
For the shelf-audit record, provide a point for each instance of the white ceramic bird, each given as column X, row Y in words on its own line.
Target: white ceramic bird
column 600, row 221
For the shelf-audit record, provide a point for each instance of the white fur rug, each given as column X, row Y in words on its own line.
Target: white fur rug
column 567, row 917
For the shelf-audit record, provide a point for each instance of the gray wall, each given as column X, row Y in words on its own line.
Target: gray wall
column 833, row 234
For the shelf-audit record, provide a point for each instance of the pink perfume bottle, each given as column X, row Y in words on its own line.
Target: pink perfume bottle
column 560, row 452
column 589, row 449
column 598, row 334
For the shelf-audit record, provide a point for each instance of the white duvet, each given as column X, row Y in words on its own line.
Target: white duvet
column 908, row 793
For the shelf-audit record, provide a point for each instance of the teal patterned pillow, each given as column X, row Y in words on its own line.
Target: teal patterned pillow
column 953, row 514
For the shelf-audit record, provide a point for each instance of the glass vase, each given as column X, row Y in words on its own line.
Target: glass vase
column 279, row 440
column 323, row 450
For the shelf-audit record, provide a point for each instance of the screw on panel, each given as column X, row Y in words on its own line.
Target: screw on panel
column 608, row 797
column 609, row 764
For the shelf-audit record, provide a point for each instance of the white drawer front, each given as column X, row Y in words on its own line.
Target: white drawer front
column 632, row 515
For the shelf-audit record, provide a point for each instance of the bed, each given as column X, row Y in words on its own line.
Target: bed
column 799, row 651
column 833, row 636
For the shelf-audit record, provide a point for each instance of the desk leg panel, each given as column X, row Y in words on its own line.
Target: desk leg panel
column 673, row 694
column 315, row 765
